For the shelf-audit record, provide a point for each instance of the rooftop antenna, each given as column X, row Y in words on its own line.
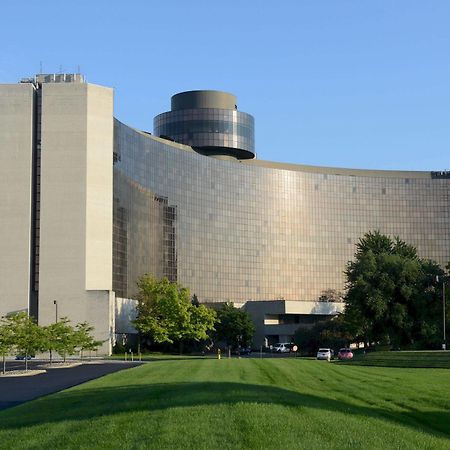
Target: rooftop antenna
column 78, row 68
column 40, row 67
column 60, row 68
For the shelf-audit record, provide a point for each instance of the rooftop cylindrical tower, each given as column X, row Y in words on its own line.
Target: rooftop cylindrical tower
column 209, row 122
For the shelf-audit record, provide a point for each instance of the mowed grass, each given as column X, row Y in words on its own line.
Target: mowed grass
column 240, row 404
column 428, row 359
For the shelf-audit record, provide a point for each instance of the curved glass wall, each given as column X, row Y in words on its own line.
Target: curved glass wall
column 252, row 231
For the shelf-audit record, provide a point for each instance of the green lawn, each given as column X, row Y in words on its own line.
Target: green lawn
column 158, row 356
column 241, row 403
column 430, row 359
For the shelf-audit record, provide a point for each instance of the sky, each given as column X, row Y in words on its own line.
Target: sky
column 340, row 83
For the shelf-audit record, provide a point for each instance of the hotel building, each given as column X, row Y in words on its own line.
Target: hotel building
column 89, row 204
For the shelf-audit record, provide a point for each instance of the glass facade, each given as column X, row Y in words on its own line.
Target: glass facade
column 255, row 230
column 209, row 127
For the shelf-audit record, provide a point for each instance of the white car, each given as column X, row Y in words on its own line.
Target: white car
column 282, row 347
column 325, row 354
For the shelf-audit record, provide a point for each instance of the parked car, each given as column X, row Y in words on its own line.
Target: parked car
column 243, row 351
column 24, row 357
column 282, row 347
column 345, row 353
column 325, row 354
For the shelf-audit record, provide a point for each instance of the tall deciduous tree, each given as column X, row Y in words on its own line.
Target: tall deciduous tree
column 165, row 313
column 235, row 326
column 391, row 293
column 331, row 296
column 331, row 332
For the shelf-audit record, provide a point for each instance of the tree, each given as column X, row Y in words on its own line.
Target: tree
column 195, row 301
column 27, row 336
column 331, row 332
column 63, row 338
column 6, row 341
column 235, row 326
column 391, row 295
column 54, row 334
column 83, row 338
column 165, row 313
column 331, row 296
column 203, row 321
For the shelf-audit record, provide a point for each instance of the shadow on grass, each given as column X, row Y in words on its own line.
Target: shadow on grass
column 161, row 357
column 83, row 404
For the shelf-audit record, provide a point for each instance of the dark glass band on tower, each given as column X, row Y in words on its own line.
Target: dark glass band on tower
column 209, row 122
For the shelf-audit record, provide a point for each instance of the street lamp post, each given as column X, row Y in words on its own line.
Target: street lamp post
column 444, row 344
column 443, row 313
column 56, row 310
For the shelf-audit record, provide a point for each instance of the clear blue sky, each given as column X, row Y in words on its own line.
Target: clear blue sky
column 345, row 83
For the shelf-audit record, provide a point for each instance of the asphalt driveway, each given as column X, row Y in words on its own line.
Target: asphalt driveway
column 15, row 390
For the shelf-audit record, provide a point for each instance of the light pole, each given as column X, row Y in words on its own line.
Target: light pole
column 56, row 310
column 444, row 346
column 443, row 313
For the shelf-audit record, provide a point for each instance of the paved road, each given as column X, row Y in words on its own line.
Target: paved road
column 15, row 390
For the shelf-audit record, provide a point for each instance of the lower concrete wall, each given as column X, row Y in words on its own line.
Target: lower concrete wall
column 259, row 309
column 125, row 313
column 94, row 307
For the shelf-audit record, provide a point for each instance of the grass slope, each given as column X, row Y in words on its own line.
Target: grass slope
column 240, row 404
column 425, row 359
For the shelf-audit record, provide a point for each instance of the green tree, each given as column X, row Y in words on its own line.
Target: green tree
column 165, row 313
column 64, row 339
column 331, row 332
column 84, row 339
column 235, row 326
column 447, row 299
column 50, row 333
column 391, row 293
column 28, row 337
column 331, row 296
column 6, row 341
column 54, row 334
column 195, row 301
column 203, row 321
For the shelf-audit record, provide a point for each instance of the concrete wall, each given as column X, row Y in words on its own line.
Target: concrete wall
column 16, row 143
column 76, row 206
column 258, row 311
column 99, row 191
column 125, row 313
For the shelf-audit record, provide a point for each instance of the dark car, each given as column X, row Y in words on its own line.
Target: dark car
column 243, row 351
column 24, row 357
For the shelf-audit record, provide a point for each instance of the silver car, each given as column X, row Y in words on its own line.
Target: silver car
column 282, row 347
column 325, row 354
